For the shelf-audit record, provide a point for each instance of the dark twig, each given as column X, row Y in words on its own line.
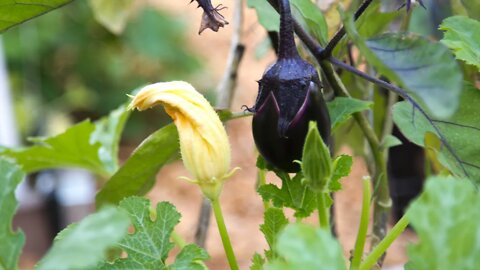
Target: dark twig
column 327, row 52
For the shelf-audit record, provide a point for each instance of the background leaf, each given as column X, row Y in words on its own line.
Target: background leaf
column 445, row 218
column 267, row 16
column 461, row 131
column 304, row 247
column 342, row 108
column 472, row 7
column 11, row 242
column 462, row 35
column 148, row 246
column 69, row 149
column 112, row 14
column 313, row 18
column 426, row 69
column 13, row 12
column 84, row 245
column 138, row 173
column 108, row 131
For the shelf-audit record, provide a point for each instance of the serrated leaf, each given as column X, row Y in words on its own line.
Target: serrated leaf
column 274, row 221
column 190, row 258
column 461, row 133
column 301, row 246
column 13, row 12
column 11, row 241
column 342, row 108
column 267, row 16
column 293, row 194
column 137, row 175
column 445, row 217
column 71, row 148
column 426, row 69
column 257, row 262
column 83, row 245
column 462, row 35
column 112, row 14
column 148, row 246
column 108, row 131
column 342, row 166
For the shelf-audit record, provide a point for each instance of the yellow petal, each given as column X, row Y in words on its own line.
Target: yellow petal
column 203, row 141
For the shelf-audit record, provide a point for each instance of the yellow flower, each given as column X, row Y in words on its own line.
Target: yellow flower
column 203, row 141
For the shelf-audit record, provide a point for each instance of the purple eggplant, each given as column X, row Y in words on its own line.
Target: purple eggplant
column 289, row 97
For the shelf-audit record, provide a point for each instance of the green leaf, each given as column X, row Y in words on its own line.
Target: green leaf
column 426, row 69
column 190, row 258
column 267, row 16
column 461, row 133
column 108, row 131
column 149, row 245
column 274, row 221
column 390, row 141
column 462, row 35
column 11, row 242
column 293, row 194
column 138, row 173
column 313, row 18
column 257, row 262
column 304, row 247
column 473, row 8
column 73, row 148
column 310, row 14
column 342, row 108
column 84, row 245
column 342, row 166
column 112, row 14
column 445, row 217
column 13, row 12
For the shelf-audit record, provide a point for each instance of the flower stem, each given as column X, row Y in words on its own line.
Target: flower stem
column 380, row 249
column 362, row 229
column 222, row 229
column 323, row 217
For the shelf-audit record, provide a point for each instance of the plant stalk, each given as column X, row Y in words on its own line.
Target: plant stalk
column 381, row 198
column 363, row 228
column 222, row 229
column 323, row 211
column 380, row 249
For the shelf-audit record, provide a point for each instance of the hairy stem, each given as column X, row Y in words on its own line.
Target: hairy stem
column 222, row 229
column 287, row 47
column 363, row 227
column 323, row 211
column 380, row 249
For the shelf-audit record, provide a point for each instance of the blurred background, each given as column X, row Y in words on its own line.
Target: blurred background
column 65, row 66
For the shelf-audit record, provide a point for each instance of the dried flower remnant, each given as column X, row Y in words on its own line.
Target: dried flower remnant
column 211, row 18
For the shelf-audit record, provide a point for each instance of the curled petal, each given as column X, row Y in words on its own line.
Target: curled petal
column 203, row 141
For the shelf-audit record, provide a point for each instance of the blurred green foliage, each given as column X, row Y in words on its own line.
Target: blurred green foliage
column 65, row 63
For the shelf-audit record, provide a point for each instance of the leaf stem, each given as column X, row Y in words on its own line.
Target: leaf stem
column 381, row 198
column 262, row 180
column 222, row 229
column 323, row 215
column 380, row 249
column 362, row 229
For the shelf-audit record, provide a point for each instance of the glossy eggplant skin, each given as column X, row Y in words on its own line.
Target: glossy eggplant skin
column 287, row 101
column 289, row 97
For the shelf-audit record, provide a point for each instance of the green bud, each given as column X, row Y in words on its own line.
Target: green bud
column 316, row 163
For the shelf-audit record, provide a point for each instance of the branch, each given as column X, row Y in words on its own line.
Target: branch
column 327, row 52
